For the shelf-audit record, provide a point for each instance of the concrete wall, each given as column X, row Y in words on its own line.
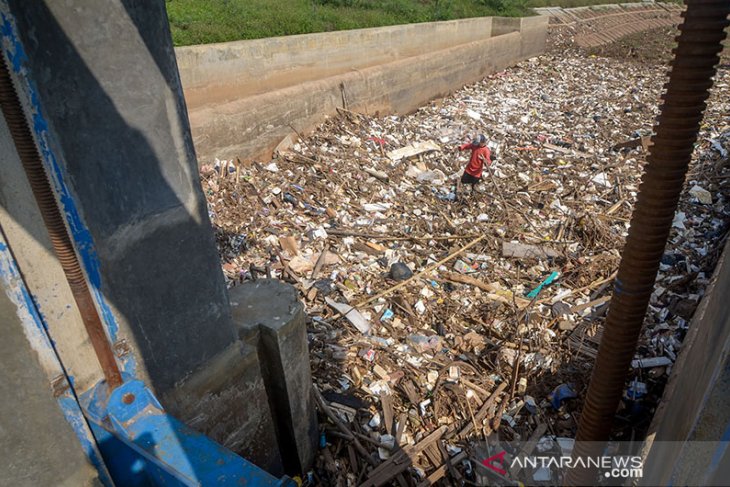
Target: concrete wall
column 252, row 126
column 689, row 434
column 269, row 316
column 505, row 25
column 227, row 71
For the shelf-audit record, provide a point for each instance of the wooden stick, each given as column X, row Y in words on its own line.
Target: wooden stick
column 347, row 233
column 590, row 304
column 400, row 461
column 415, row 276
column 482, row 413
column 528, row 447
column 322, row 404
column 490, row 288
column 286, row 270
column 453, row 473
column 471, row 413
column 476, row 387
column 440, row 472
column 464, row 279
column 320, row 262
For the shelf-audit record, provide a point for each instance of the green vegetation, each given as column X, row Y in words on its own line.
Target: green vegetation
column 207, row 21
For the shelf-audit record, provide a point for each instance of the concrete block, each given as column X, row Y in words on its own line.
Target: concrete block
column 227, row 401
column 268, row 313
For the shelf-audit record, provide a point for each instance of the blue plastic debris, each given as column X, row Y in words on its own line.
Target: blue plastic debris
column 289, row 198
column 530, row 404
column 549, row 280
column 387, row 315
column 560, row 394
column 636, row 390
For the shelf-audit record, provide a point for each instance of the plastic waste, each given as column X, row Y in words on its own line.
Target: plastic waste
column 548, row 280
column 400, row 272
column 423, row 343
column 560, row 394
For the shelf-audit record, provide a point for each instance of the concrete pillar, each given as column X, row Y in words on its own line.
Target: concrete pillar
column 99, row 81
column 269, row 316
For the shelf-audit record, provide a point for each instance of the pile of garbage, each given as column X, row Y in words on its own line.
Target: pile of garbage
column 439, row 318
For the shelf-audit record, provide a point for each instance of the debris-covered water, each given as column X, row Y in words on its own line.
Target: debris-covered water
column 482, row 313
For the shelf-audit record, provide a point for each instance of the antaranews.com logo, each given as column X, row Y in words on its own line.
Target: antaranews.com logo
column 552, row 466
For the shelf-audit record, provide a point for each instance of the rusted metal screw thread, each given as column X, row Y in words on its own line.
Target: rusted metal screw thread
column 28, row 153
column 699, row 43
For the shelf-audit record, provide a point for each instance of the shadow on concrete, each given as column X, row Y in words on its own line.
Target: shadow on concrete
column 149, row 244
column 157, row 264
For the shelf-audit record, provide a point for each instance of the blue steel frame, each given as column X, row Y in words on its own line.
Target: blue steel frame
column 159, row 449
column 142, row 445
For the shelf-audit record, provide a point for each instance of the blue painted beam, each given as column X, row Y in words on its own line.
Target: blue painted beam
column 171, row 453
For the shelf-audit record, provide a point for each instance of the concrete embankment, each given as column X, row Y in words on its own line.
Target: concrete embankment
column 245, row 97
column 602, row 24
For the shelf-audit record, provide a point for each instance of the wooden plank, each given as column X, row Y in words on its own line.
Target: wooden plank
column 482, row 413
column 400, row 461
column 401, row 428
column 386, row 400
column 320, row 262
column 528, row 447
column 433, row 455
column 440, row 472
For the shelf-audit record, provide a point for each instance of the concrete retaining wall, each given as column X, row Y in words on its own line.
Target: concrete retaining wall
column 602, row 24
column 230, row 70
column 251, row 127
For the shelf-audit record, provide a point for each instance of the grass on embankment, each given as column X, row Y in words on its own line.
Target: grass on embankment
column 207, row 21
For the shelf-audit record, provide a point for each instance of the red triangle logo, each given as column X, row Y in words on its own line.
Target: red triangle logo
column 498, row 458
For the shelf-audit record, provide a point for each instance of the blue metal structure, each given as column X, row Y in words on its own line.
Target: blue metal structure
column 157, row 449
column 127, row 435
column 125, row 432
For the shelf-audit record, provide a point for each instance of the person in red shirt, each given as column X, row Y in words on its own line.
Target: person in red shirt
column 480, row 155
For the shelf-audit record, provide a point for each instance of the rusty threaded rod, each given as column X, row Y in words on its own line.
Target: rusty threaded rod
column 696, row 55
column 28, row 153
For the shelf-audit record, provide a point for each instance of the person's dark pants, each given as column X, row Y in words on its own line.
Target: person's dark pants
column 467, row 178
